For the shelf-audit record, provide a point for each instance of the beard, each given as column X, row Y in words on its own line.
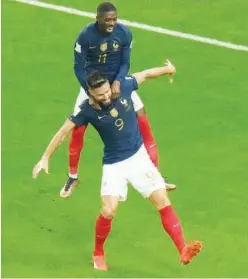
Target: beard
column 99, row 104
column 105, row 103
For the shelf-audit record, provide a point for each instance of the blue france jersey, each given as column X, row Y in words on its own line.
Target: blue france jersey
column 106, row 53
column 117, row 124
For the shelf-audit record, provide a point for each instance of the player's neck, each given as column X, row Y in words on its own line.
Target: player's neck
column 101, row 31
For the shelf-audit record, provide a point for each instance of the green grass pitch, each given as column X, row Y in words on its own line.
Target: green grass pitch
column 200, row 123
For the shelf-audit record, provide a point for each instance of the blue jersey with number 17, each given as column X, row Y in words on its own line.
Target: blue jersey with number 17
column 116, row 124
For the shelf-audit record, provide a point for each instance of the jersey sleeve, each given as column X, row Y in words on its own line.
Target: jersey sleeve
column 125, row 56
column 80, row 55
column 79, row 117
column 128, row 85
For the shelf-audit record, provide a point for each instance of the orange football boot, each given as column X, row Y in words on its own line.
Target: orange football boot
column 189, row 251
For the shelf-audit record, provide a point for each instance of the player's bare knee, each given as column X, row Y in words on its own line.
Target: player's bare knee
column 140, row 112
column 159, row 199
column 108, row 211
column 109, row 206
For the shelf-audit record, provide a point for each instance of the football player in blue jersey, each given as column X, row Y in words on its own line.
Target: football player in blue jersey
column 125, row 158
column 104, row 45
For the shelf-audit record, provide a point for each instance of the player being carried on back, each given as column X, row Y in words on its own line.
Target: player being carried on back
column 104, row 45
column 125, row 159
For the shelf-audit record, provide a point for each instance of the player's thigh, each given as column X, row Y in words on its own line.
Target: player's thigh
column 159, row 199
column 82, row 96
column 146, row 178
column 137, row 103
column 113, row 182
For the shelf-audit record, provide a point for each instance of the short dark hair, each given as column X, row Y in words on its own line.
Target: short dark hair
column 96, row 80
column 105, row 7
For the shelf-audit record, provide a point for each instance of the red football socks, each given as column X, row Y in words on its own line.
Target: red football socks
column 149, row 141
column 75, row 148
column 102, row 230
column 172, row 226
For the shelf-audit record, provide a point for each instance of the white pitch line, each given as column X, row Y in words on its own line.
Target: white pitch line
column 143, row 26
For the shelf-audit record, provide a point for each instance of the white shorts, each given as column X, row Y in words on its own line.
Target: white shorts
column 137, row 170
column 82, row 96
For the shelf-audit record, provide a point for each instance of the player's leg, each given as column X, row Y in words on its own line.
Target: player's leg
column 113, row 189
column 75, row 148
column 173, row 227
column 102, row 230
column 145, row 128
column 149, row 182
column 146, row 133
column 170, row 221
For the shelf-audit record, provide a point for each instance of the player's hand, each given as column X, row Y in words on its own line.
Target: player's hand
column 170, row 67
column 41, row 165
column 116, row 89
column 171, row 70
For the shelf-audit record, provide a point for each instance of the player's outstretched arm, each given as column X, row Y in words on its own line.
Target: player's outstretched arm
column 52, row 146
column 168, row 68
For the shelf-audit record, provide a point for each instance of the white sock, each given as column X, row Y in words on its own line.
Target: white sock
column 74, row 176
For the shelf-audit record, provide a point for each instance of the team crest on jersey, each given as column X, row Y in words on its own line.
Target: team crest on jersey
column 114, row 112
column 115, row 46
column 103, row 47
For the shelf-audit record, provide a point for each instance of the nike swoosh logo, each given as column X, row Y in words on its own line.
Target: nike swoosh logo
column 99, row 236
column 91, row 47
column 177, row 225
column 100, row 117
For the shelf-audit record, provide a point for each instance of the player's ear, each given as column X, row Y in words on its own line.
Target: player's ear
column 98, row 18
column 91, row 97
column 93, row 103
column 91, row 100
column 89, row 93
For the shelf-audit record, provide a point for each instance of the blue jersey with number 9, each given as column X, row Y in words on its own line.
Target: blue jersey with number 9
column 116, row 124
